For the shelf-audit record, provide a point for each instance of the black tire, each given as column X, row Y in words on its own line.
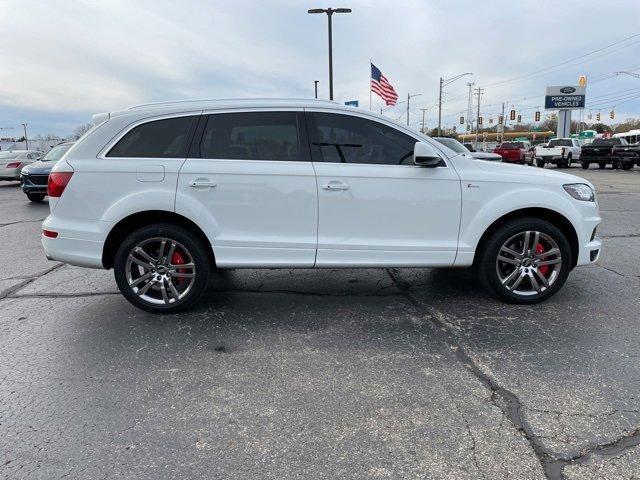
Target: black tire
column 490, row 247
column 627, row 165
column 540, row 163
column 195, row 248
column 602, row 165
column 569, row 160
column 615, row 165
column 36, row 197
column 584, row 165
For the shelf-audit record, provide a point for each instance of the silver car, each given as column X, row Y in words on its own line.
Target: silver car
column 11, row 163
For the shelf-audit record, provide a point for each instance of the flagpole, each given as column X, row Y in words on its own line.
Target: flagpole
column 370, row 62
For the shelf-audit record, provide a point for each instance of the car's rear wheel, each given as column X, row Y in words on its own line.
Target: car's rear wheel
column 602, row 165
column 36, row 197
column 584, row 165
column 162, row 268
column 540, row 163
column 627, row 166
column 525, row 261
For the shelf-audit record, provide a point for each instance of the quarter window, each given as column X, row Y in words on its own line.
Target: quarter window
column 158, row 139
column 350, row 139
column 255, row 136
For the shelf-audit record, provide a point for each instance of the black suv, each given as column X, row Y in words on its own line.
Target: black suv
column 34, row 177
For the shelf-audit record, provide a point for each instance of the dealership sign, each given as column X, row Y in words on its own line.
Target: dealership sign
column 566, row 97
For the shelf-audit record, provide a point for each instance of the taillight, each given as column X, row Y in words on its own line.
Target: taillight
column 49, row 233
column 13, row 165
column 57, row 183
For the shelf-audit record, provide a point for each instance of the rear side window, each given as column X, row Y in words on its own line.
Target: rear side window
column 255, row 136
column 167, row 138
column 561, row 143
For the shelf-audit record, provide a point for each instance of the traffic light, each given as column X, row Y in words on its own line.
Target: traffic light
column 513, row 115
column 611, row 115
column 537, row 116
column 454, row 129
column 479, row 120
column 501, row 119
column 519, row 118
column 461, row 120
column 598, row 116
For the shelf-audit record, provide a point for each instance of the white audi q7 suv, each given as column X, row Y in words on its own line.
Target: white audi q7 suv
column 166, row 193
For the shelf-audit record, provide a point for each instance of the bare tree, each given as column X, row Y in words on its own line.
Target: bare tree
column 81, row 130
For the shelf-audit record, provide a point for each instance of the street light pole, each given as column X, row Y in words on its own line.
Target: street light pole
column 444, row 83
column 330, row 12
column 409, row 97
column 315, row 84
column 26, row 140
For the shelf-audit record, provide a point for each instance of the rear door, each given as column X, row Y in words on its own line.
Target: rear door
column 250, row 184
column 376, row 207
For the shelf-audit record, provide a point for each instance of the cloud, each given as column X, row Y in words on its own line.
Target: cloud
column 68, row 59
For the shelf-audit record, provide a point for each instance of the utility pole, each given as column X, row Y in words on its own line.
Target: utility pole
column 26, row 140
column 423, row 112
column 444, row 83
column 479, row 94
column 315, row 84
column 504, row 123
column 470, row 107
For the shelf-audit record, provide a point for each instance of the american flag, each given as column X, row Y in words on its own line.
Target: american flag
column 381, row 86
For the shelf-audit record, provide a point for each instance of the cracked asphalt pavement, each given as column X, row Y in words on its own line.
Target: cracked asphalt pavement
column 399, row 373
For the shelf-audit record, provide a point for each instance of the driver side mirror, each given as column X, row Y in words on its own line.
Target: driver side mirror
column 424, row 155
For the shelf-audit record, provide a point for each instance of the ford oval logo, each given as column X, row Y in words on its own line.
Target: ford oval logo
column 567, row 90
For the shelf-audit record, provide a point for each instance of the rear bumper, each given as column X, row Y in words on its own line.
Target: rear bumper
column 78, row 242
column 596, row 159
column 10, row 173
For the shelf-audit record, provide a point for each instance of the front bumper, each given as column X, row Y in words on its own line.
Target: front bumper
column 34, row 183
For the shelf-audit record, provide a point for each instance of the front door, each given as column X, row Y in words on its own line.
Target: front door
column 376, row 208
column 252, row 189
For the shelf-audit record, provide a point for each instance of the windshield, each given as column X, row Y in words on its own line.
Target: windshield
column 56, row 152
column 560, row 142
column 509, row 146
column 9, row 154
column 452, row 143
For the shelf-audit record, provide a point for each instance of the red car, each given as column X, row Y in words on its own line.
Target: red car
column 515, row 152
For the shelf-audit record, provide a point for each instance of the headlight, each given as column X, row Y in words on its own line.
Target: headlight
column 580, row 191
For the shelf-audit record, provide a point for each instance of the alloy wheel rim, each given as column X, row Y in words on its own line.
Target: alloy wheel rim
column 160, row 271
column 529, row 263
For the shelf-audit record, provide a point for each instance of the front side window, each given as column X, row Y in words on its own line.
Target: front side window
column 255, row 136
column 349, row 139
column 167, row 138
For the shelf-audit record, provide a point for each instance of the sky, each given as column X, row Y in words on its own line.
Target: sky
column 62, row 61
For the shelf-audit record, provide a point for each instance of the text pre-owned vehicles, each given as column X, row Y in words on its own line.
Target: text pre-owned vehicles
column 599, row 151
column 34, row 177
column 11, row 163
column 514, row 152
column 163, row 194
column 458, row 147
column 559, row 151
column 625, row 156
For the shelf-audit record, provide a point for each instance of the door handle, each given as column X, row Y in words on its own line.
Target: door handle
column 335, row 186
column 201, row 183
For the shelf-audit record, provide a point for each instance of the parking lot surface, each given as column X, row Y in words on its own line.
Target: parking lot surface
column 399, row 373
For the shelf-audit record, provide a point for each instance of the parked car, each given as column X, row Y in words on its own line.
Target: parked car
column 34, row 177
column 600, row 151
column 458, row 147
column 514, row 152
column 12, row 162
column 164, row 194
column 625, row 156
column 559, row 151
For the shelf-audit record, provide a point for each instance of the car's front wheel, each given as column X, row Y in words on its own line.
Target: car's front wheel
column 525, row 261
column 162, row 268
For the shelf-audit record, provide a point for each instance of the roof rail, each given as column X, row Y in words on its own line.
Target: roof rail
column 178, row 102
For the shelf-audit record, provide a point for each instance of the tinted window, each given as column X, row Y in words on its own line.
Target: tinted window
column 255, row 136
column 509, row 146
column 161, row 139
column 561, row 143
column 348, row 139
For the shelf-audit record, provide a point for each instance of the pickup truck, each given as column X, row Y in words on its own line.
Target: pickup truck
column 515, row 152
column 625, row 156
column 600, row 151
column 559, row 151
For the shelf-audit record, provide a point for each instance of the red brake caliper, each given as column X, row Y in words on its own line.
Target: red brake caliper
column 178, row 259
column 544, row 269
